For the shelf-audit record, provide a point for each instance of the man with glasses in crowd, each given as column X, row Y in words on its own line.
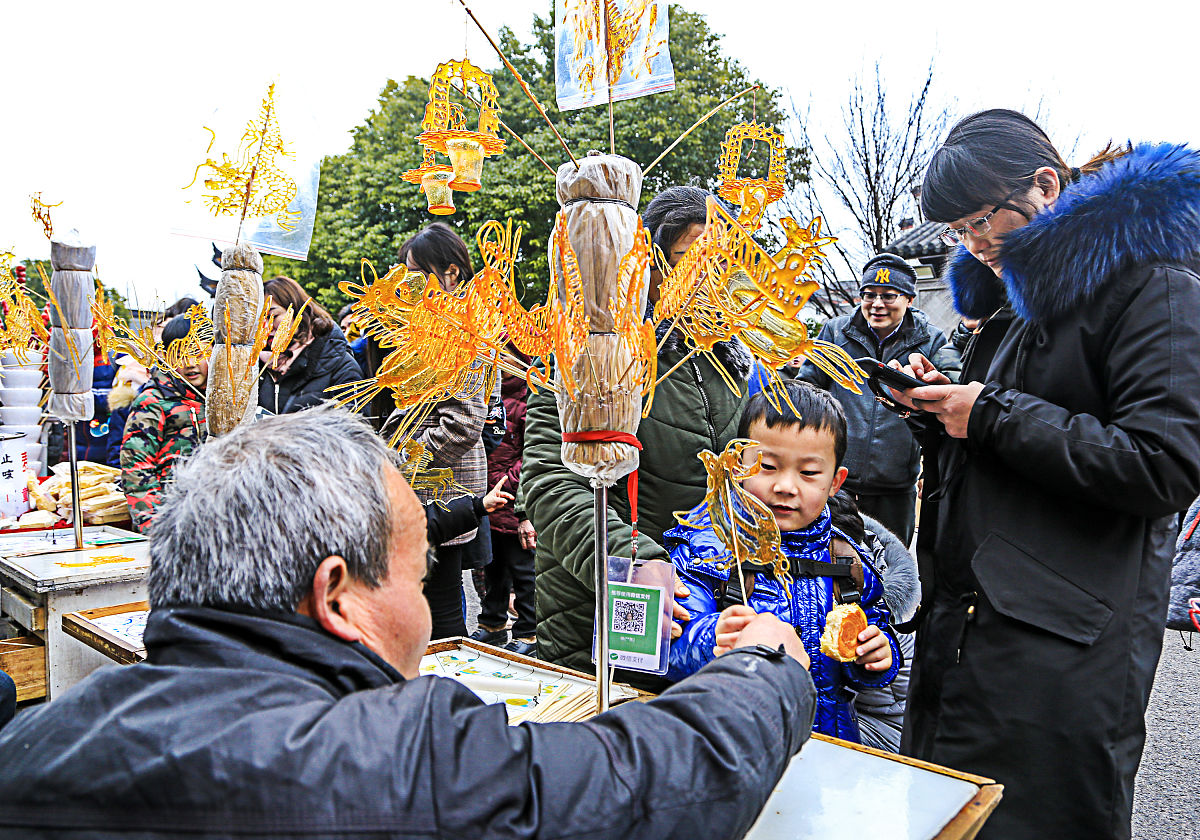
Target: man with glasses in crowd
column 883, row 457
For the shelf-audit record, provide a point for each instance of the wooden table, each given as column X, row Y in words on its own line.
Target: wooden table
column 120, row 641
column 43, row 577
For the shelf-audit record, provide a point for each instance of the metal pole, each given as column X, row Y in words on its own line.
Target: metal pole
column 76, row 514
column 603, row 672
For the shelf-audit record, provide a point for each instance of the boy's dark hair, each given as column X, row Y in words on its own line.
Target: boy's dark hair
column 845, row 514
column 673, row 211
column 815, row 409
column 175, row 329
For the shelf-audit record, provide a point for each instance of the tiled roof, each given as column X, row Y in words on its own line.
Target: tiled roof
column 919, row 241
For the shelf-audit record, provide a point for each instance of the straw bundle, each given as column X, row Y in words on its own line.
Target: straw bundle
column 599, row 201
column 231, row 398
column 70, row 363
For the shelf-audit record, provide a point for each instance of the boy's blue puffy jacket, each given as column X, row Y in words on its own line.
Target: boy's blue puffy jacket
column 804, row 605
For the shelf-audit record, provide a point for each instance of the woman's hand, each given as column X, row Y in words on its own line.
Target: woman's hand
column 730, row 624
column 496, row 497
column 526, row 535
column 951, row 404
column 874, row 650
column 921, row 368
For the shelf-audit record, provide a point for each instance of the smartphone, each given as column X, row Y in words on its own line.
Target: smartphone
column 891, row 377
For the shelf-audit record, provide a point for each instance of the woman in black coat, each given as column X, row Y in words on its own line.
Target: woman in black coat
column 317, row 359
column 1058, row 466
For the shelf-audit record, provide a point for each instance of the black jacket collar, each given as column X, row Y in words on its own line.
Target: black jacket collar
column 286, row 643
column 1142, row 208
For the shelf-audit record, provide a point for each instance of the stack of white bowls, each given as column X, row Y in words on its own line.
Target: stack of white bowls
column 21, row 395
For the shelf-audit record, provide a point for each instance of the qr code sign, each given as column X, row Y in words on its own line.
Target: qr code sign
column 629, row 616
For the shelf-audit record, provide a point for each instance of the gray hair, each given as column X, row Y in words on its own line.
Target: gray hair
column 252, row 514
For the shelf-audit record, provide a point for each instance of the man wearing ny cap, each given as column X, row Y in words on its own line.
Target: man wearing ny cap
column 883, row 457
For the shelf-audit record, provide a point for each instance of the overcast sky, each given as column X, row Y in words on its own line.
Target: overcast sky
column 105, row 101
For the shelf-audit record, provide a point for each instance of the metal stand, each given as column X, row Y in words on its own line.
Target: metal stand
column 76, row 513
column 603, row 672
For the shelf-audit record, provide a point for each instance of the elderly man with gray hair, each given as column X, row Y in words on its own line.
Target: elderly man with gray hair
column 281, row 696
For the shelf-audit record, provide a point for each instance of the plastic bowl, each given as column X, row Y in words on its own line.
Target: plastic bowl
column 33, row 434
column 33, row 452
column 34, row 358
column 20, row 396
column 35, row 467
column 23, row 378
column 20, row 415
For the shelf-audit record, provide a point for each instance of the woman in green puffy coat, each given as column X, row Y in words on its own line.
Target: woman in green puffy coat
column 693, row 410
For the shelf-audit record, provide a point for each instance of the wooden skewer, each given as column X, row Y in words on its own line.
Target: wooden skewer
column 524, row 86
column 699, row 123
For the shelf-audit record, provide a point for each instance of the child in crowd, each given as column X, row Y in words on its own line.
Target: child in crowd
column 801, row 469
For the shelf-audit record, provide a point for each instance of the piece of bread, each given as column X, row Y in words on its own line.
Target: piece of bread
column 37, row 519
column 842, row 626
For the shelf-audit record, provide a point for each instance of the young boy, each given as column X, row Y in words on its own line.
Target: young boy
column 801, row 469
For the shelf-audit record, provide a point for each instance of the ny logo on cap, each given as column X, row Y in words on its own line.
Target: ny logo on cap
column 883, row 275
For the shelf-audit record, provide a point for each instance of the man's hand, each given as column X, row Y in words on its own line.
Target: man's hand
column 527, row 534
column 951, row 404
column 768, row 630
column 874, row 652
column 496, row 497
column 678, row 613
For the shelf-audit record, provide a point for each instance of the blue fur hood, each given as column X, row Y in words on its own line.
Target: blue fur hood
column 1142, row 208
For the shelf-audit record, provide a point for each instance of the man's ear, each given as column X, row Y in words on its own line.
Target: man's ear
column 328, row 600
column 838, row 478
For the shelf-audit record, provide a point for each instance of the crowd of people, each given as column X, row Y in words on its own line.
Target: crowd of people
column 1054, row 444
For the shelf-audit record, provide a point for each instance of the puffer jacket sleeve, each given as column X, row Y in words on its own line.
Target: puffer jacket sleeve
column 694, row 648
column 686, row 764
column 1145, row 459
column 560, row 503
column 874, row 605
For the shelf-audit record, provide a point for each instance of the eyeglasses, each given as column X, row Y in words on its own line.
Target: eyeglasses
column 886, row 297
column 978, row 227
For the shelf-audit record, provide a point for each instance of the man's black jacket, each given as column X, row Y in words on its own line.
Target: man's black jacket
column 266, row 726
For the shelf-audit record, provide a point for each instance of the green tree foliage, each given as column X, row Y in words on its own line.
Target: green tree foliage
column 366, row 210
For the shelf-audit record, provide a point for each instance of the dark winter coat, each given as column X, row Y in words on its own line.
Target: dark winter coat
column 804, row 603
column 325, row 363
column 882, row 455
column 693, row 410
column 505, row 460
column 120, row 401
column 266, row 726
column 948, row 359
column 1046, row 541
column 1185, row 571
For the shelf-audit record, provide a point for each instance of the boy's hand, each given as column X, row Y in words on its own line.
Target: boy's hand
column 874, row 652
column 730, row 624
column 496, row 497
column 678, row 613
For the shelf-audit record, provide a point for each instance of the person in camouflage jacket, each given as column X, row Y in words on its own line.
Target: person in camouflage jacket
column 166, row 422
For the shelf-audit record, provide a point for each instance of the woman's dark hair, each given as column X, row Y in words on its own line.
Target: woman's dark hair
column 175, row 329
column 285, row 292
column 343, row 312
column 436, row 248
column 845, row 514
column 178, row 308
column 672, row 212
column 814, row 408
column 990, row 155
